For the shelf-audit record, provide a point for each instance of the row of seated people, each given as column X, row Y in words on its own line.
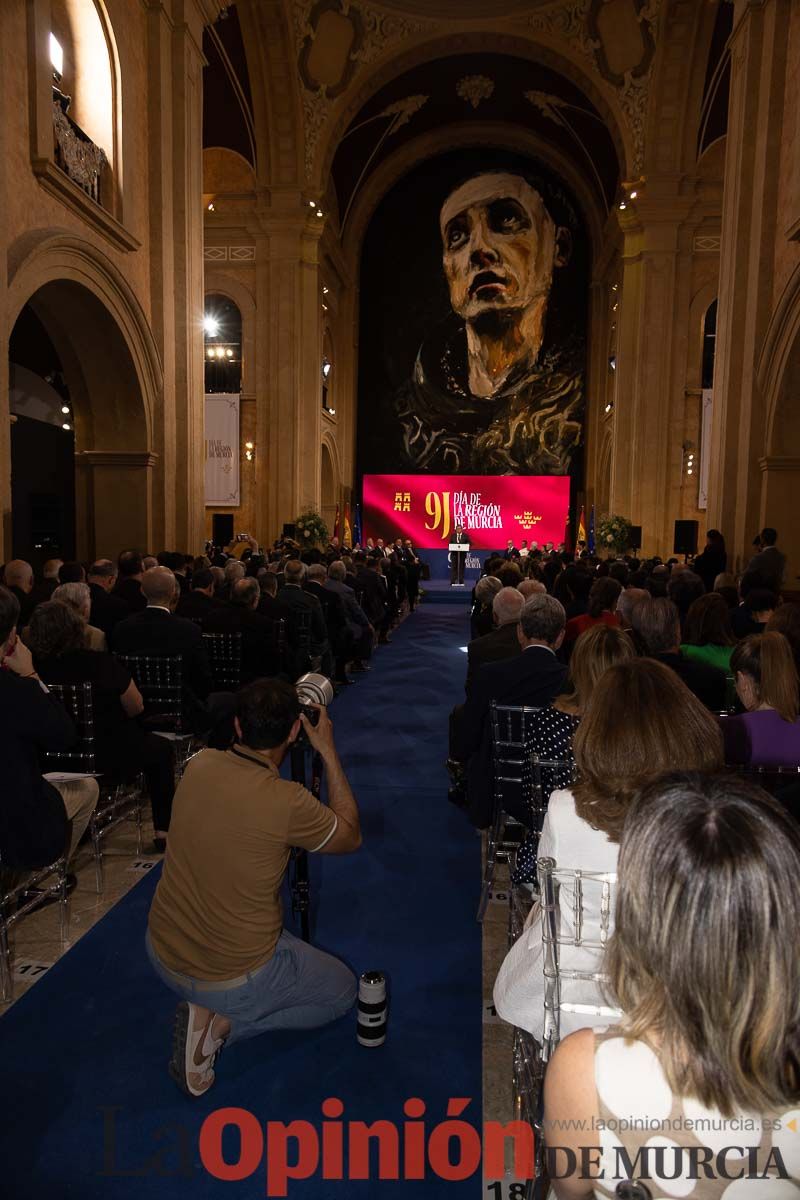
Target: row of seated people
column 86, row 631
column 697, row 848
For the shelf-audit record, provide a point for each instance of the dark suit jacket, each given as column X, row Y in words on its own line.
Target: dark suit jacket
column 33, row 821
column 258, row 658
column 707, row 683
column 129, row 591
column 196, row 606
column 107, row 609
column 268, row 607
column 491, row 647
column 156, row 631
column 332, row 609
column 771, row 565
column 290, row 600
column 27, row 603
column 534, row 677
column 376, row 596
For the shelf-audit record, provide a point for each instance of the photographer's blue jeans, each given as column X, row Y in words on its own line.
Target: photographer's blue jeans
column 300, row 987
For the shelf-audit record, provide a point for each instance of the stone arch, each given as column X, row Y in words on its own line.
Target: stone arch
column 373, row 79
column 330, row 480
column 115, row 378
column 699, row 306
column 218, row 281
column 277, row 109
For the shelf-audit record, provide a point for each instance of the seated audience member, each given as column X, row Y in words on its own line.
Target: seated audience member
column 481, row 620
column 18, row 578
column 683, row 589
column 149, row 561
column 49, row 581
column 71, row 572
column 754, row 599
column 268, row 585
column 157, row 631
column 340, row 638
column 767, row 734
column 215, row 933
column 293, row 601
column 786, row 620
column 531, row 587
column 130, row 570
column 35, row 816
column 707, row 634
column 572, row 588
column 640, row 721
column 372, row 587
column 509, row 574
column 770, row 562
column 725, row 585
column 361, row 629
column 602, row 607
column 656, row 621
column 712, row 560
column 703, row 965
column 78, row 597
column 107, row 609
column 503, row 641
column 234, row 570
column 198, row 602
column 240, row 616
column 628, row 599
column 122, row 748
column 552, row 728
column 533, row 677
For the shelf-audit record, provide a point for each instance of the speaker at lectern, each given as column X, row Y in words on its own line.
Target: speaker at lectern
column 459, row 549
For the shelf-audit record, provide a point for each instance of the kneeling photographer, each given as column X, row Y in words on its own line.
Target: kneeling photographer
column 215, row 932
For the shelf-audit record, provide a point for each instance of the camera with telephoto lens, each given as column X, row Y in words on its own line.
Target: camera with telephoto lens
column 313, row 689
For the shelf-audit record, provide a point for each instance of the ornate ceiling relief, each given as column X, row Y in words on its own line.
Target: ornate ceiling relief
column 328, row 66
column 618, row 38
column 475, row 88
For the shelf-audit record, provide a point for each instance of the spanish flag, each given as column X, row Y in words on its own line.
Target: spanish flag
column 582, row 526
column 336, row 523
column 347, row 539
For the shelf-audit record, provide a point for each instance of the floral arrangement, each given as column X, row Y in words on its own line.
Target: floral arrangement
column 613, row 533
column 311, row 530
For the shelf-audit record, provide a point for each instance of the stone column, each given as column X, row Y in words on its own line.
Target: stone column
column 175, row 100
column 103, row 523
column 288, row 388
column 651, row 355
column 755, row 121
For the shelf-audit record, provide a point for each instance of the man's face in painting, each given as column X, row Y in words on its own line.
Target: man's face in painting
column 500, row 245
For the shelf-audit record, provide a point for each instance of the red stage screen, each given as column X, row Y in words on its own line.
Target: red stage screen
column 492, row 508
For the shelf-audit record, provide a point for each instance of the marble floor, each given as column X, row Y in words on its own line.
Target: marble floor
column 36, row 941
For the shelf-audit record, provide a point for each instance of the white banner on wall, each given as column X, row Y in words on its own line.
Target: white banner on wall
column 222, row 450
column 705, row 446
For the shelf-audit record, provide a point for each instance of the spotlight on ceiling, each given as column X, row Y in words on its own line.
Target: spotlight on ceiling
column 66, row 425
column 65, row 409
column 211, row 325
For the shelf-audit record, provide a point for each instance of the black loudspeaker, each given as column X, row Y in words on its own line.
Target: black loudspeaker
column 222, row 529
column 636, row 537
column 289, row 530
column 685, row 537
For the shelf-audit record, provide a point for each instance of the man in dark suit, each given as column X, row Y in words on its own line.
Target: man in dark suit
column 240, row 616
column 413, row 568
column 658, row 622
column 340, row 638
column 292, row 601
column 18, row 578
column 268, row 604
column 533, row 678
column 199, row 602
column 770, row 562
column 107, row 609
column 130, row 570
column 375, row 596
column 502, row 642
column 358, row 623
column 157, row 631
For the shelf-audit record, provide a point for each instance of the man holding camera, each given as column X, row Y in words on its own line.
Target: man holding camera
column 215, row 932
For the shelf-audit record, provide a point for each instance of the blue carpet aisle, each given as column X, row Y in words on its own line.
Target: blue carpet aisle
column 89, row 1109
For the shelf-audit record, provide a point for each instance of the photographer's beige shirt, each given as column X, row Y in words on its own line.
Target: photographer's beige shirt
column 217, row 910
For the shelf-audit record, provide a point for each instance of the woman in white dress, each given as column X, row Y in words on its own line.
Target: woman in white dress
column 697, row 1091
column 641, row 721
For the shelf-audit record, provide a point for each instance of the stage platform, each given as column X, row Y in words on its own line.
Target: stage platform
column 439, row 591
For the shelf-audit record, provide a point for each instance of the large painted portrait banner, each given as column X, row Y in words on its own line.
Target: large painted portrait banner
column 473, row 320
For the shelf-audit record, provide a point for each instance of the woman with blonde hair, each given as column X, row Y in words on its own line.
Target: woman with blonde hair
column 704, row 1066
column 768, row 733
column 552, row 728
column 641, row 722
